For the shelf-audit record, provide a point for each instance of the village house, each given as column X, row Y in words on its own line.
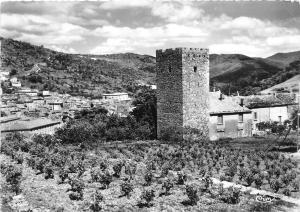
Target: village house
column 116, row 96
column 228, row 118
column 56, row 105
column 4, row 75
column 28, row 92
column 25, row 100
column 45, row 93
column 269, row 108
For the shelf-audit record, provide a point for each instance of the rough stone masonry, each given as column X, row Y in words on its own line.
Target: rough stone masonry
column 182, row 90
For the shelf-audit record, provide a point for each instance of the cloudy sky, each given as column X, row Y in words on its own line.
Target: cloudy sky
column 141, row 26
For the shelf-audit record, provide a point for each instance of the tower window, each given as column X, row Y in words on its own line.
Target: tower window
column 170, row 68
column 195, row 69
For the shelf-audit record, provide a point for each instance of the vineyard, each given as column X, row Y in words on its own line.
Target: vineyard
column 155, row 176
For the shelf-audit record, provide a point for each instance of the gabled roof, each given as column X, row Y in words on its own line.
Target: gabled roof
column 29, row 125
column 8, row 119
column 269, row 100
column 225, row 105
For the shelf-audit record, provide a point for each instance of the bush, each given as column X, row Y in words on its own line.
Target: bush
column 130, row 169
column 286, row 192
column 242, row 173
column 76, row 132
column 181, row 178
column 63, row 174
column 18, row 157
column 77, row 187
column 167, row 185
column 192, row 194
column 231, row 195
column 117, row 169
column 249, row 177
column 13, row 175
column 97, row 198
column 103, row 165
column 95, row 174
column 40, row 164
column 295, row 185
column 37, row 150
column 105, row 178
column 126, row 188
column 258, row 179
column 275, row 185
column 80, row 168
column 165, row 169
column 48, row 170
column 148, row 178
column 207, row 183
column 75, row 195
column 146, row 197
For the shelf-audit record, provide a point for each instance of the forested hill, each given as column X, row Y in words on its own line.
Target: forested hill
column 234, row 72
column 73, row 73
column 91, row 75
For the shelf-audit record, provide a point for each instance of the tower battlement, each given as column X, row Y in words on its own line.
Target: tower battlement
column 182, row 89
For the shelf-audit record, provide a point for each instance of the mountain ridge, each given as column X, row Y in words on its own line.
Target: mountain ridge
column 91, row 75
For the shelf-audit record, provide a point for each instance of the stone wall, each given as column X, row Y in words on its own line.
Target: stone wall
column 169, row 89
column 182, row 89
column 196, row 89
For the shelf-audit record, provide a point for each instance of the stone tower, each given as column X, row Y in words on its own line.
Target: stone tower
column 182, row 90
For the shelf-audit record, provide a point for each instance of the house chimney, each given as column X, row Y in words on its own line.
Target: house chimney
column 221, row 96
column 242, row 102
column 237, row 93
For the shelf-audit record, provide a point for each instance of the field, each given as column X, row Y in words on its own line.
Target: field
column 149, row 176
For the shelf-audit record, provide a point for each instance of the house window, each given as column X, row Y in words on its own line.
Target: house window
column 255, row 116
column 220, row 119
column 195, row 69
column 241, row 118
column 279, row 119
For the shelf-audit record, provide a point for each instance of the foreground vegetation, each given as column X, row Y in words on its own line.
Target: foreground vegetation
column 155, row 176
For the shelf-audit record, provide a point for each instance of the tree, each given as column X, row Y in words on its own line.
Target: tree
column 13, row 72
column 77, row 131
column 145, row 108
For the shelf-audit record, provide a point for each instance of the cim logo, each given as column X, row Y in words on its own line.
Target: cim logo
column 264, row 198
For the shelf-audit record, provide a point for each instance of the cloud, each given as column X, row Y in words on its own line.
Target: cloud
column 40, row 30
column 121, row 4
column 132, row 39
column 143, row 26
column 176, row 12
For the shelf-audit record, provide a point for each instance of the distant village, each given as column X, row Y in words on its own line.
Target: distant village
column 32, row 111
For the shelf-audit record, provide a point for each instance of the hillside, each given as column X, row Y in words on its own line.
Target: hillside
column 234, row 72
column 91, row 75
column 285, row 58
column 288, row 85
column 75, row 74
